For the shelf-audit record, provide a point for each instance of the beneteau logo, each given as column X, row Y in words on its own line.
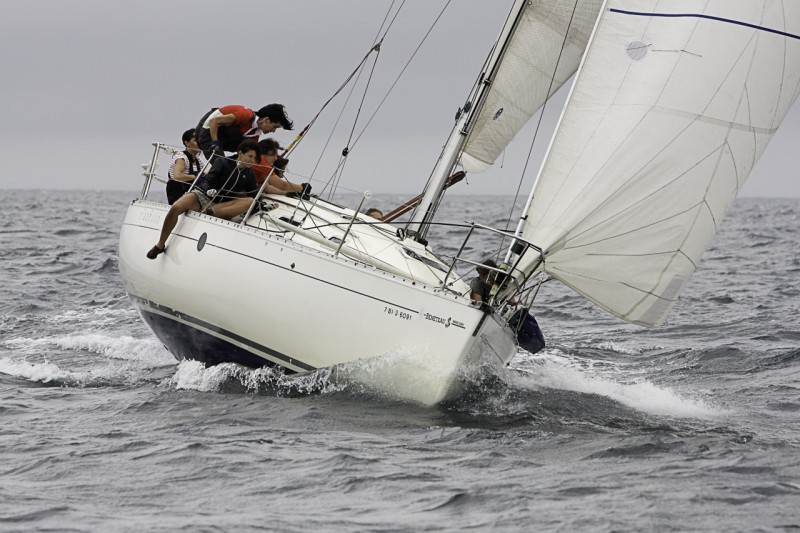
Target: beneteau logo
column 446, row 322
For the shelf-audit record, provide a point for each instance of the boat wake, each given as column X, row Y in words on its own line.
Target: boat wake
column 627, row 386
column 56, row 375
column 144, row 351
column 550, row 382
column 84, row 360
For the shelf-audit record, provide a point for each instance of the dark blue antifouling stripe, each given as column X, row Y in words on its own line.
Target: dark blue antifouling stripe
column 229, row 334
column 709, row 17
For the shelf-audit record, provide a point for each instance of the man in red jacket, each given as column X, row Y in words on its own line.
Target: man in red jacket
column 224, row 128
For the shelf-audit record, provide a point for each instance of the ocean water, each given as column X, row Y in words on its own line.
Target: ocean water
column 692, row 426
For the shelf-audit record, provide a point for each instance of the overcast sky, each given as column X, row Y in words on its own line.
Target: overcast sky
column 89, row 84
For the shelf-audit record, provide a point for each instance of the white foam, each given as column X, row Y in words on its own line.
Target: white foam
column 98, row 317
column 563, row 373
column 192, row 375
column 43, row 372
column 396, row 374
column 48, row 372
column 148, row 351
column 618, row 348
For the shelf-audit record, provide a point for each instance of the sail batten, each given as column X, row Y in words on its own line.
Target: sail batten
column 671, row 110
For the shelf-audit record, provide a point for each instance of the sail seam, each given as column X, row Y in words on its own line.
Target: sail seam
column 707, row 17
column 710, row 120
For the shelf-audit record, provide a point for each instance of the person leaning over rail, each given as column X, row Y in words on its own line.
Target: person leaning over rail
column 184, row 167
column 271, row 167
column 225, row 191
column 224, row 128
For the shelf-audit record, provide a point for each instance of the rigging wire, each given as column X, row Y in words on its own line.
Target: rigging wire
column 416, row 50
column 375, row 48
column 397, row 79
column 353, row 87
column 346, row 150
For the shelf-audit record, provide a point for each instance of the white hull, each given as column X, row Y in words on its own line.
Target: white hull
column 227, row 292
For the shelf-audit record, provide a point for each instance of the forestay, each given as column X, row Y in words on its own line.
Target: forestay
column 533, row 68
column 674, row 104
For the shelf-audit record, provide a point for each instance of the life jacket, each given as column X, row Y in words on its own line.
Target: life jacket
column 175, row 188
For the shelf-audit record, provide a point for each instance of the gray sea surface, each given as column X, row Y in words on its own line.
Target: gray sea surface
column 689, row 427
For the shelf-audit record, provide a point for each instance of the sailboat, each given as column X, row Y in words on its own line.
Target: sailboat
column 671, row 107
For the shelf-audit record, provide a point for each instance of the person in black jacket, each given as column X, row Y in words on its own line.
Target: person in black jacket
column 225, row 191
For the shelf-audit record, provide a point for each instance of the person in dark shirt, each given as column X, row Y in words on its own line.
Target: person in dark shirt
column 481, row 287
column 225, row 191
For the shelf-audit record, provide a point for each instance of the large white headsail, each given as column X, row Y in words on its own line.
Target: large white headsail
column 533, row 68
column 674, row 104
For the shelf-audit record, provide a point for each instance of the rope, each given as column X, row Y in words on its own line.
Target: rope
column 374, row 48
column 394, row 84
column 376, row 44
column 401, row 73
column 346, row 150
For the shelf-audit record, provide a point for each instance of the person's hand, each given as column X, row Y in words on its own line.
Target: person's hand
column 211, row 193
column 216, row 147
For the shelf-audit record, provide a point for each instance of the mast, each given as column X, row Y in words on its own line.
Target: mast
column 449, row 158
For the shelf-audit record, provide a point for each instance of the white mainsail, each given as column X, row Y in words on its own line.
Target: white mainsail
column 673, row 105
column 541, row 55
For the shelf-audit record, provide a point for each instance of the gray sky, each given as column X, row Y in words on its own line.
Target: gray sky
column 89, row 84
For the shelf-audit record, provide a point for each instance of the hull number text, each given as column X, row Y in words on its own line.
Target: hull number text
column 397, row 312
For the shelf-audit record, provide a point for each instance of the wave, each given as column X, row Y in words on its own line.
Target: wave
column 554, row 371
column 505, row 395
column 231, row 378
column 147, row 352
column 391, row 376
column 50, row 373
